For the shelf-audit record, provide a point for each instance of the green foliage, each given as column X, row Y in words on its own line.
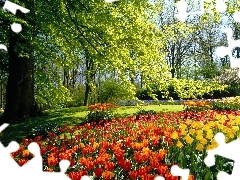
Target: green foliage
column 225, row 106
column 77, row 97
column 141, row 111
column 67, row 30
column 116, row 24
column 190, row 89
column 147, row 113
column 113, row 91
column 50, row 94
column 99, row 117
column 100, row 113
column 195, row 109
column 43, row 130
column 183, row 89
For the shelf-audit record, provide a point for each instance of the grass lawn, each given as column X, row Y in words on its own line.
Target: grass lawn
column 70, row 116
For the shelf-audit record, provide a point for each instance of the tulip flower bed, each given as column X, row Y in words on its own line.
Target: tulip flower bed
column 197, row 105
column 99, row 113
column 232, row 103
column 127, row 148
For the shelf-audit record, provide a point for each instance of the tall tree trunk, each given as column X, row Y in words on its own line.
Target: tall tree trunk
column 20, row 101
column 86, row 96
column 90, row 76
column 173, row 72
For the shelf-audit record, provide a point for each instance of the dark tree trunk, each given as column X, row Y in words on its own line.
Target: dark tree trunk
column 141, row 81
column 173, row 72
column 90, row 76
column 20, row 102
column 86, row 96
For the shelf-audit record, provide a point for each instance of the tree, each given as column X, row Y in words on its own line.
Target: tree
column 20, row 101
column 104, row 35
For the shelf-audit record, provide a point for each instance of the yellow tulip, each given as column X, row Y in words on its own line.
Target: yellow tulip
column 188, row 122
column 231, row 117
column 203, row 141
column 200, row 147
column 194, row 125
column 214, row 144
column 237, row 120
column 183, row 126
column 184, row 132
column 199, row 132
column 234, row 129
column 199, row 137
column 175, row 135
column 230, row 135
column 192, row 131
column 206, row 128
column 225, row 129
column 179, row 144
column 189, row 139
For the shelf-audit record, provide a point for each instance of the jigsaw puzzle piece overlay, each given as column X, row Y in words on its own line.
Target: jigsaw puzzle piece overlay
column 110, row 1
column 228, row 150
column 64, row 164
column 223, row 51
column 7, row 164
column 85, row 178
column 220, row 7
column 183, row 14
column 35, row 166
column 12, row 7
column 177, row 171
column 236, row 16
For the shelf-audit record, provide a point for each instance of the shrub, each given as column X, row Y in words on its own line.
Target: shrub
column 43, row 130
column 143, row 112
column 142, row 94
column 100, row 113
column 113, row 91
column 77, row 96
column 196, row 106
column 225, row 106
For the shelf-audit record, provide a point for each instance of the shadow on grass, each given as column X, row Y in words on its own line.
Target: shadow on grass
column 17, row 132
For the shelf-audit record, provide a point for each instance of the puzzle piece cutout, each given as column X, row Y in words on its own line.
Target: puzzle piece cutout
column 7, row 163
column 182, row 9
column 12, row 7
column 16, row 27
column 32, row 168
column 176, row 171
column 4, row 125
column 228, row 150
column 236, row 16
column 85, row 178
column 2, row 46
column 220, row 7
column 222, row 51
